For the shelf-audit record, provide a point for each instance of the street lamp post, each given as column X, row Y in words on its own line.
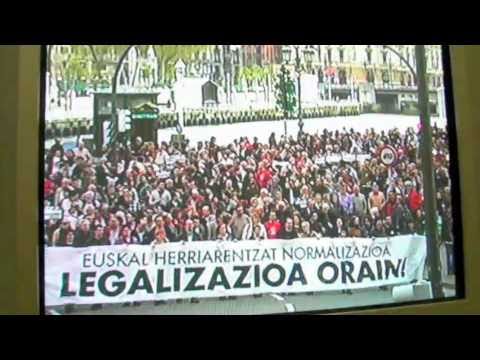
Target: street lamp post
column 286, row 60
column 298, row 69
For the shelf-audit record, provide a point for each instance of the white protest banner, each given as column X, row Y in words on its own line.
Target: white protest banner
column 281, row 164
column 348, row 158
column 333, row 159
column 362, row 158
column 53, row 213
column 116, row 274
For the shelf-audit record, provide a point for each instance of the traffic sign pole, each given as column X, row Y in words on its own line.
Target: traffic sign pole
column 427, row 170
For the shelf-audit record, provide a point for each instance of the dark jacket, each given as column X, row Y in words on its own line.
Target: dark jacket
column 172, row 233
column 378, row 233
column 100, row 242
column 82, row 239
column 290, row 235
column 195, row 236
column 145, row 239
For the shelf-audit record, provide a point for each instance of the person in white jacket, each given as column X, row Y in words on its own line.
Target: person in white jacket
column 254, row 230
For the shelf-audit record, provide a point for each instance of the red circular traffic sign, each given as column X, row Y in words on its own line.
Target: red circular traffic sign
column 388, row 155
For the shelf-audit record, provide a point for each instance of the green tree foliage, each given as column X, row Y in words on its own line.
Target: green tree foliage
column 255, row 75
column 168, row 55
column 94, row 62
column 285, row 92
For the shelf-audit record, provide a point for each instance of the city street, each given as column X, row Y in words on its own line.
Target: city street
column 82, row 107
column 249, row 305
column 267, row 304
column 225, row 134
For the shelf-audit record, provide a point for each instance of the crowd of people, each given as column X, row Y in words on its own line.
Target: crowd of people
column 283, row 189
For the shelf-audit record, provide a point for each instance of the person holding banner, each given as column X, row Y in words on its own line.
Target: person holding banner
column 255, row 230
column 224, row 232
column 126, row 236
column 189, row 234
column 273, row 226
column 83, row 235
column 160, row 235
column 141, row 233
column 305, row 232
column 356, row 230
column 98, row 238
column 113, row 231
column 239, row 222
column 288, row 232
column 59, row 236
column 208, row 224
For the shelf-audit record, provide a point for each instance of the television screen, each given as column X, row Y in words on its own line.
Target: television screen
column 248, row 179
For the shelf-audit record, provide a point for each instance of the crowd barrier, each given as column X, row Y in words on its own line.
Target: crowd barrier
column 84, row 126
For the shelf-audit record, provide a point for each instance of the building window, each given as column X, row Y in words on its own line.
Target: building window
column 341, row 54
column 342, row 77
column 369, row 54
column 236, row 57
column 384, row 55
column 217, row 76
column 320, row 75
column 329, row 55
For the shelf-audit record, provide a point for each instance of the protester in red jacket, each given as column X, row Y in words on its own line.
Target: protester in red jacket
column 415, row 199
column 273, row 226
column 49, row 189
column 390, row 205
column 264, row 176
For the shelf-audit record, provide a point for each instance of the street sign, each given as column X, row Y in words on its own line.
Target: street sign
column 388, row 156
column 144, row 116
column 145, row 112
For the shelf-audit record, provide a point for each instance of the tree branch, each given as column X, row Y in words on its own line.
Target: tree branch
column 402, row 58
column 94, row 54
